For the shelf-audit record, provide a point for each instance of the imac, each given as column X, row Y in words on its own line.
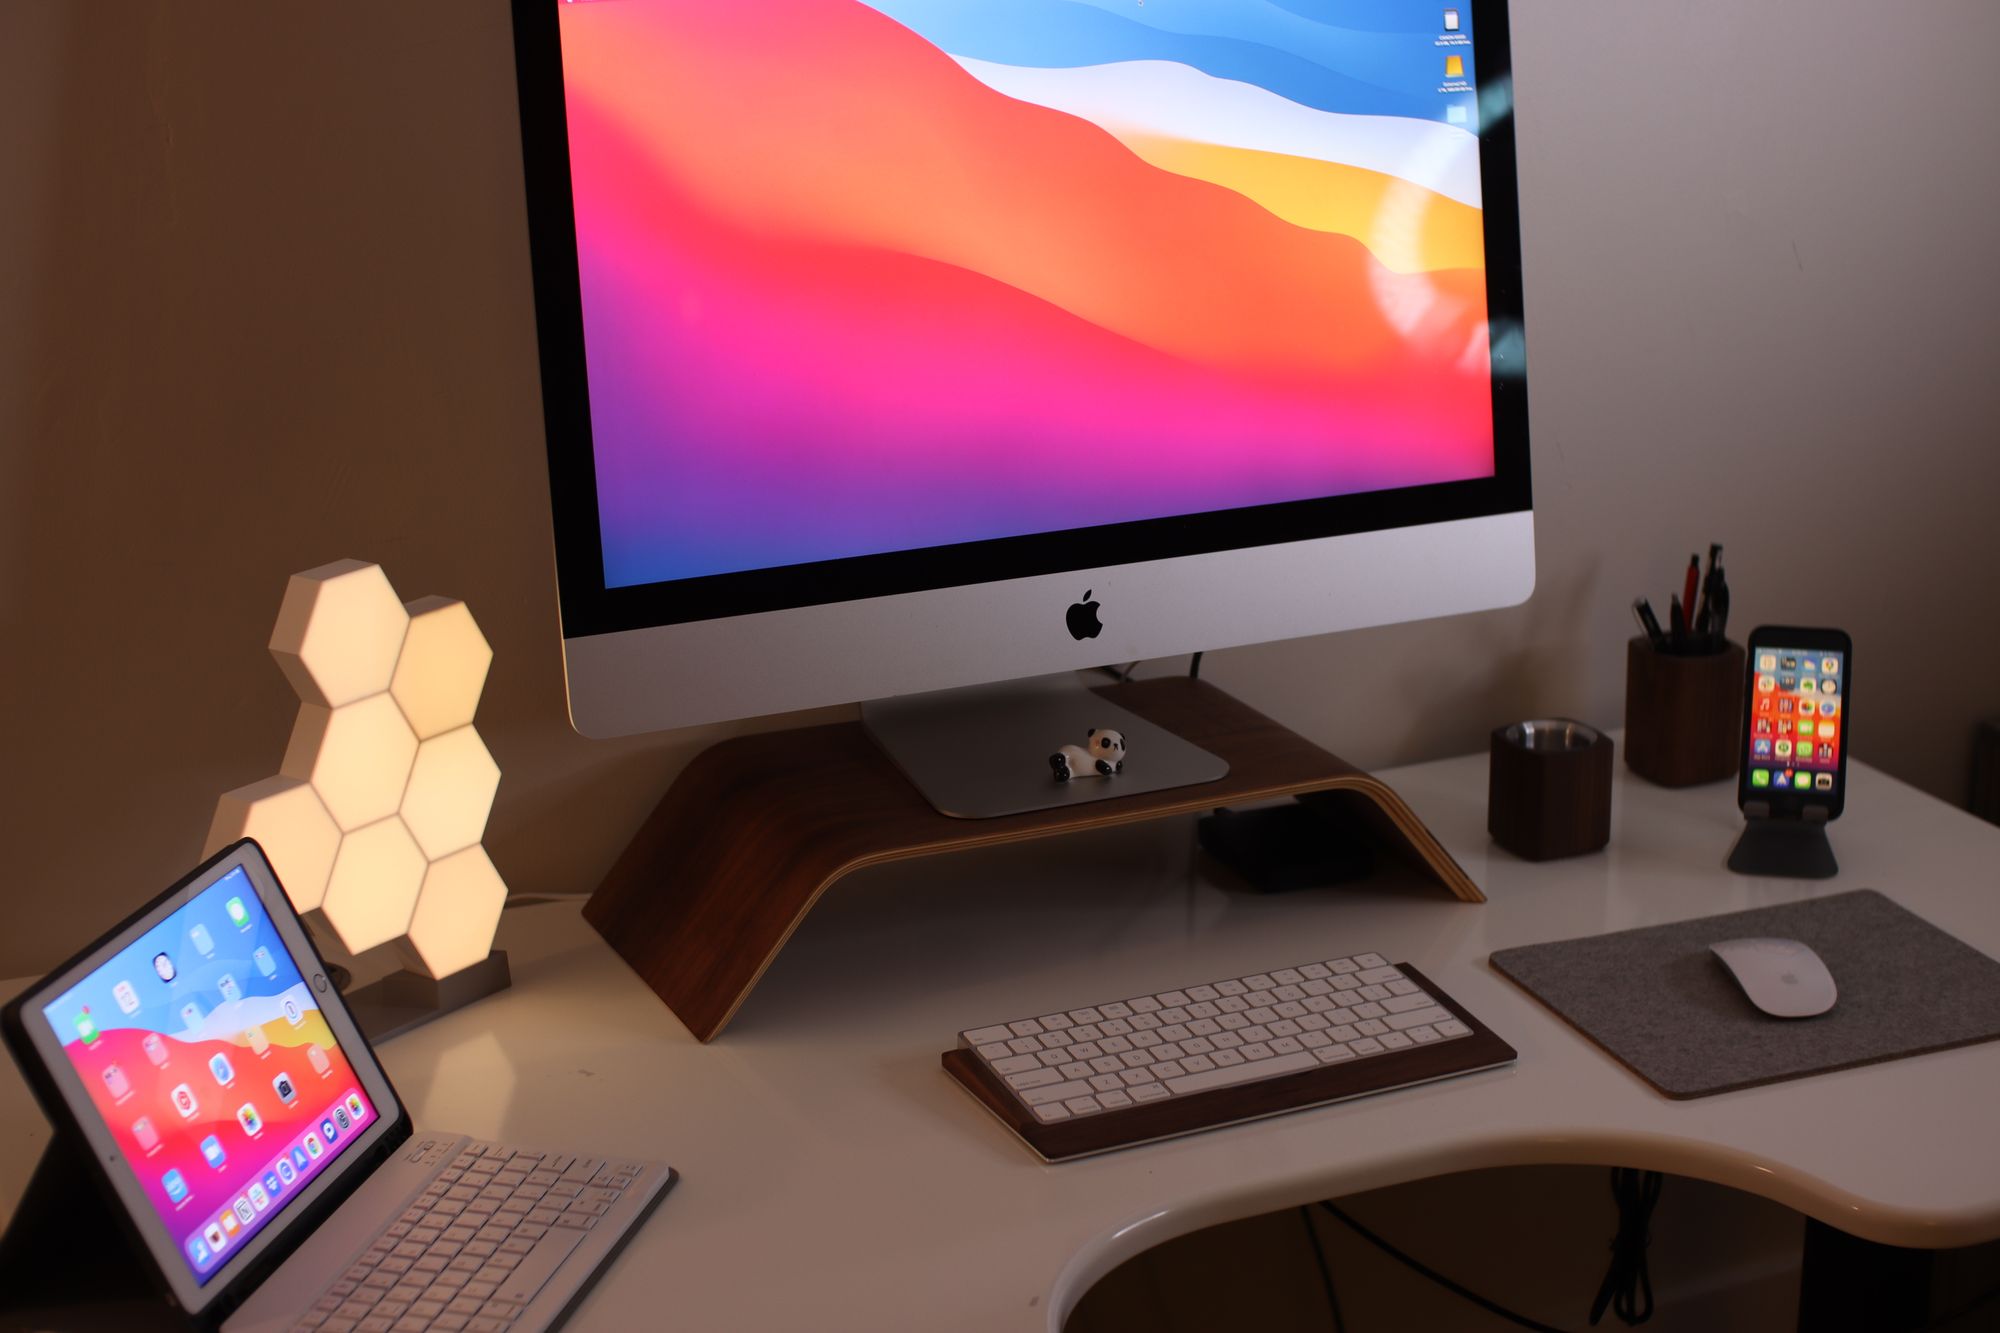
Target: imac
column 892, row 347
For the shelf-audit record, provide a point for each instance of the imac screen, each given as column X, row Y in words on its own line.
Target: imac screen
column 884, row 276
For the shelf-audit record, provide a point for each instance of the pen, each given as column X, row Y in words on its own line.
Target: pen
column 1649, row 623
column 1677, row 626
column 1687, row 593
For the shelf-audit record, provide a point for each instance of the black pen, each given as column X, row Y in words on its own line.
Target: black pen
column 1650, row 623
column 1677, row 625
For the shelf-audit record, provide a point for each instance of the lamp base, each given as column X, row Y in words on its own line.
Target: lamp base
column 405, row 1000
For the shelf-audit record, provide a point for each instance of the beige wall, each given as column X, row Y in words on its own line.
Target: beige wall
column 264, row 303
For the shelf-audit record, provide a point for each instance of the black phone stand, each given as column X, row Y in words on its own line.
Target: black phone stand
column 67, row 1262
column 1784, row 846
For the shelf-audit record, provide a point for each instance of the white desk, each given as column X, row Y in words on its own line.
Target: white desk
column 834, row 1177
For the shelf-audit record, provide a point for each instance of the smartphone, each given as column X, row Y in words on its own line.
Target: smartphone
column 1795, row 720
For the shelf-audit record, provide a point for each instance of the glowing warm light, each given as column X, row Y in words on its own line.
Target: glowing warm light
column 456, row 914
column 450, row 792
column 385, row 787
column 372, row 894
column 290, row 822
column 357, row 757
column 338, row 633
column 443, row 667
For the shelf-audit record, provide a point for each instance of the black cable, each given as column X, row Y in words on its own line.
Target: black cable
column 1946, row 1320
column 1456, row 1289
column 1628, row 1284
column 1194, row 667
column 1325, row 1273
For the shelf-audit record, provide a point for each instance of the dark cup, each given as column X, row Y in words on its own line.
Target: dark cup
column 1548, row 791
column 1683, row 714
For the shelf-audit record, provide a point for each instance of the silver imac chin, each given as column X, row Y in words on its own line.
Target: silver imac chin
column 667, row 676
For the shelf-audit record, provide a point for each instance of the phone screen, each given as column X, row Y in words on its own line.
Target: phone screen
column 1798, row 721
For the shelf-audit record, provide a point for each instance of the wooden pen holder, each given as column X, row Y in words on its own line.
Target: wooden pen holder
column 1683, row 713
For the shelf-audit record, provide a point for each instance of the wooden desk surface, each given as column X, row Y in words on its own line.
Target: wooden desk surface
column 834, row 1177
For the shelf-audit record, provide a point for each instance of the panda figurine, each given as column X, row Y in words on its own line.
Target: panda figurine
column 1103, row 755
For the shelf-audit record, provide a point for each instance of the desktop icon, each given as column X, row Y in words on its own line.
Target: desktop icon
column 218, row 1065
column 255, row 1039
column 119, row 1085
column 1827, row 731
column 355, row 1106
column 1784, row 750
column 1766, row 684
column 239, row 915
column 1823, row 781
column 164, row 967
column 1805, row 726
column 1787, row 684
column 265, row 963
column 328, row 1132
column 258, row 1199
column 1784, row 705
column 128, row 999
column 246, row 1116
column 198, row 1251
column 244, row 1212
column 1826, row 754
column 1830, row 665
column 283, row 1086
column 1828, row 707
column 1451, row 20
column 203, row 942
column 1767, row 705
column 1767, row 662
column 212, row 1152
column 1454, row 67
column 86, row 1027
column 155, row 1047
column 213, row 1235
column 317, row 1057
column 183, row 1099
column 313, row 1146
column 175, row 1184
column 293, row 1014
column 230, row 1225
column 191, row 1015
column 1760, row 777
column 1828, row 686
column 272, row 1185
column 1761, row 748
column 1763, row 726
column 288, row 1167
column 1790, row 664
column 230, row 990
column 341, row 1118
column 143, row 1133
column 1457, row 114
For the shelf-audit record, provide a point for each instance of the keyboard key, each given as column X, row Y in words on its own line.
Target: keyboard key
column 1027, row 1027
column 1423, row 1035
column 981, row 1036
column 1083, row 1105
column 1033, row 1078
column 1370, row 960
column 1013, row 1064
column 1222, row 1077
column 1058, row 1092
column 1377, row 975
column 1149, row 1092
column 1451, row 1027
column 1416, row 1017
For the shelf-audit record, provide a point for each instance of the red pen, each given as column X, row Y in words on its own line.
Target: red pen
column 1694, row 577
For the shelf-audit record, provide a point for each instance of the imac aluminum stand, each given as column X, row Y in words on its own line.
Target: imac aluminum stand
column 983, row 752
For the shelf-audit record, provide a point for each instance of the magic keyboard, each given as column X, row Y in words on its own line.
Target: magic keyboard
column 1109, row 1075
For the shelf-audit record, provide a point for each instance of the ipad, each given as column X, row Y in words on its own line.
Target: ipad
column 201, row 1059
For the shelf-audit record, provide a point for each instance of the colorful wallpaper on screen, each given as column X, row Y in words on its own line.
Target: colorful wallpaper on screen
column 1796, row 726
column 861, row 277
column 213, row 1069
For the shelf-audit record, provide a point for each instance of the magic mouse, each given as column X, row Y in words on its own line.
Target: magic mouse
column 1782, row 977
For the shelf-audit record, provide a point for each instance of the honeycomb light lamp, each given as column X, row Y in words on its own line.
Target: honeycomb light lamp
column 375, row 818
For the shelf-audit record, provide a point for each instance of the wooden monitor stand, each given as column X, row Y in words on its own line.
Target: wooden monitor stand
column 756, row 828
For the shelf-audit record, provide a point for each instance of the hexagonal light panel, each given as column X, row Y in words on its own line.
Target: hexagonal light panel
column 450, row 792
column 372, row 893
column 456, row 915
column 290, row 822
column 385, row 788
column 339, row 631
column 443, row 667
column 357, row 757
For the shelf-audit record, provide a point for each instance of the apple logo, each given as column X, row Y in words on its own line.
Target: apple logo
column 1082, row 619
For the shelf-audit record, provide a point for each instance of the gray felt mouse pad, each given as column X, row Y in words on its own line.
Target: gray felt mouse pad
column 1668, row 1009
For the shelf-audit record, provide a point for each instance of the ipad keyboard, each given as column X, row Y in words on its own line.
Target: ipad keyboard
column 1107, row 1075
